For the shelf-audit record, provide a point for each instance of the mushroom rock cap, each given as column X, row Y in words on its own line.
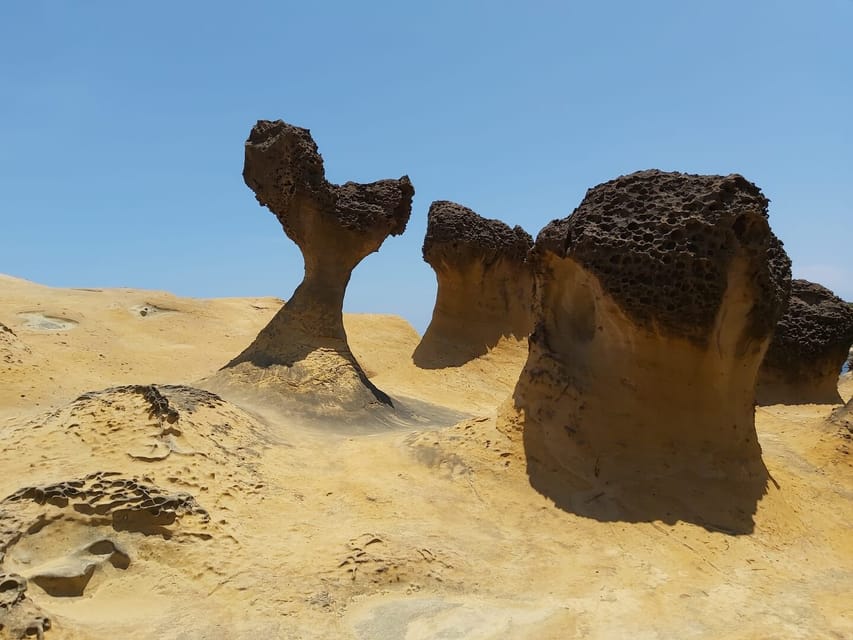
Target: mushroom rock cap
column 809, row 347
column 661, row 244
column 457, row 234
column 654, row 304
column 485, row 285
column 285, row 170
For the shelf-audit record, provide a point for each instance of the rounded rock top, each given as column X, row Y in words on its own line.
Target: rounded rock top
column 662, row 245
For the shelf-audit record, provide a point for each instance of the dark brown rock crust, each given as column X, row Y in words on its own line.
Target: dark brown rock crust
column 485, row 285
column 457, row 234
column 285, row 171
column 809, row 347
column 661, row 244
column 654, row 304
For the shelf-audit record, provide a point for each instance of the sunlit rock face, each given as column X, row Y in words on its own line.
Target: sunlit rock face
column 302, row 357
column 485, row 285
column 655, row 303
column 808, row 350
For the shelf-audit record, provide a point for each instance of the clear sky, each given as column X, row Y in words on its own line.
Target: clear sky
column 122, row 125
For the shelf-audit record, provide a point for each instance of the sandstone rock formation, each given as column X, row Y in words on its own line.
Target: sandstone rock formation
column 301, row 359
column 12, row 348
column 808, row 350
column 654, row 306
column 485, row 285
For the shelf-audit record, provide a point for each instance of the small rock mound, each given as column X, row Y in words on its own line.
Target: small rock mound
column 485, row 285
column 301, row 362
column 153, row 423
column 655, row 301
column 808, row 350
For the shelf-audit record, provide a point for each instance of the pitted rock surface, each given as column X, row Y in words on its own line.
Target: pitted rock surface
column 661, row 244
column 130, row 503
column 285, row 170
column 19, row 617
column 817, row 325
column 457, row 234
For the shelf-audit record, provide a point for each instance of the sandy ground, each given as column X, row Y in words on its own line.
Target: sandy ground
column 282, row 531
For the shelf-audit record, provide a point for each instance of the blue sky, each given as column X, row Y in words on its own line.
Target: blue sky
column 122, row 125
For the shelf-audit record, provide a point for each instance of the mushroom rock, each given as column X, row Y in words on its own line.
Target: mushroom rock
column 655, row 302
column 485, row 285
column 808, row 350
column 302, row 357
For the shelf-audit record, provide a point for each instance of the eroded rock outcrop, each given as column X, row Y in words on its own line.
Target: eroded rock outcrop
column 809, row 347
column 57, row 536
column 655, row 303
column 301, row 359
column 12, row 349
column 485, row 285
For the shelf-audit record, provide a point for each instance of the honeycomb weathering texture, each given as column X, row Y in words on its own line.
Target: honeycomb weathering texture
column 130, row 503
column 456, row 234
column 661, row 244
column 485, row 285
column 817, row 324
column 809, row 347
column 107, row 503
column 285, row 170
